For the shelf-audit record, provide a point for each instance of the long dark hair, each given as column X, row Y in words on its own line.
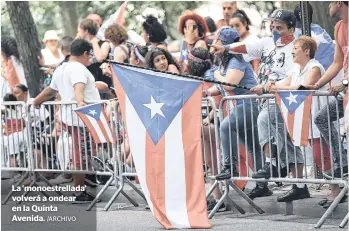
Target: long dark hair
column 226, row 56
column 241, row 14
column 154, row 29
column 153, row 53
column 9, row 47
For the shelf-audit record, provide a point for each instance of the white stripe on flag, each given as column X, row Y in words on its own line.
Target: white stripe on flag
column 106, row 125
column 97, row 129
column 298, row 124
column 175, row 186
column 136, row 137
column 284, row 113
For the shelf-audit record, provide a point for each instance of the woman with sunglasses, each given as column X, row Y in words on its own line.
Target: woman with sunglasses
column 194, row 28
column 161, row 60
column 241, row 22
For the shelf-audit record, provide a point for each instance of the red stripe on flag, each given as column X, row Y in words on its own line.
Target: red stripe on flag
column 155, row 178
column 290, row 124
column 90, row 127
column 111, row 131
column 120, row 94
column 195, row 187
column 306, row 121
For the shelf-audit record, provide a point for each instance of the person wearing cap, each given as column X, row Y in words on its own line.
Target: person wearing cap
column 276, row 64
column 51, row 54
column 235, row 70
column 335, row 108
column 228, row 9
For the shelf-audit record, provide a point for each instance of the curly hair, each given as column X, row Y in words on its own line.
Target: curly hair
column 200, row 60
column 153, row 53
column 200, row 21
column 116, row 34
column 9, row 47
column 154, row 29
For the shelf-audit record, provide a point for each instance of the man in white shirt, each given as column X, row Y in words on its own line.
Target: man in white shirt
column 276, row 63
column 74, row 82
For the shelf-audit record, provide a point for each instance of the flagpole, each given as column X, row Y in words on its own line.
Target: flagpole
column 182, row 75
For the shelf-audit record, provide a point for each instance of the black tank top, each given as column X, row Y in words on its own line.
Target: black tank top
column 97, row 72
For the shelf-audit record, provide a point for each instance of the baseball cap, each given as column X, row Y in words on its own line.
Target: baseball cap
column 228, row 35
column 284, row 16
column 50, row 35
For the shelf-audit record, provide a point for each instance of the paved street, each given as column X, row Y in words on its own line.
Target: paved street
column 122, row 216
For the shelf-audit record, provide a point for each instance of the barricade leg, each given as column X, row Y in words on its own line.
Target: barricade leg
column 210, row 191
column 7, row 198
column 332, row 207
column 115, row 195
column 225, row 196
column 100, row 193
column 243, row 195
column 41, row 177
column 344, row 222
column 135, row 188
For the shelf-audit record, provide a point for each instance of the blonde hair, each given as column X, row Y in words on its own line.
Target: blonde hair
column 309, row 43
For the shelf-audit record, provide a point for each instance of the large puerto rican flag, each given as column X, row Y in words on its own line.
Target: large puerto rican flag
column 295, row 107
column 163, row 119
column 96, row 122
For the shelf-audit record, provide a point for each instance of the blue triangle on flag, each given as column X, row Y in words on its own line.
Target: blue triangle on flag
column 148, row 90
column 293, row 99
column 93, row 110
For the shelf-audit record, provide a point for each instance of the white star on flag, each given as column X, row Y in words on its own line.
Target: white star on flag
column 155, row 107
column 92, row 112
column 292, row 98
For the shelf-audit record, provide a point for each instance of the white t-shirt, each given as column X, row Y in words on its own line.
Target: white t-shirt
column 63, row 81
column 252, row 39
column 50, row 59
column 318, row 102
column 276, row 62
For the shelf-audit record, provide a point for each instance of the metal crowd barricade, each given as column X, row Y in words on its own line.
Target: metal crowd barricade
column 287, row 155
column 51, row 146
column 14, row 137
column 123, row 157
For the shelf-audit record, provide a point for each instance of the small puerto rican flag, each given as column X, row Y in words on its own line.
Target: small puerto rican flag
column 95, row 119
column 295, row 107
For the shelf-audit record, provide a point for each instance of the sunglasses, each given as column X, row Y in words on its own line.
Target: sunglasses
column 193, row 26
column 227, row 8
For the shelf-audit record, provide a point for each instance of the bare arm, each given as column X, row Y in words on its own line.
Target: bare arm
column 201, row 44
column 45, row 95
column 214, row 91
column 334, row 69
column 233, row 76
column 172, row 68
column 255, row 65
column 102, row 52
column 119, row 55
column 79, row 89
